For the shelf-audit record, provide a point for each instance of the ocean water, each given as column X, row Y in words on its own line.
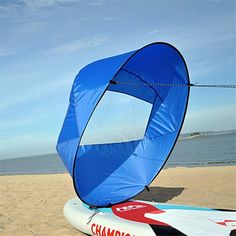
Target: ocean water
column 44, row 164
column 217, row 149
column 209, row 150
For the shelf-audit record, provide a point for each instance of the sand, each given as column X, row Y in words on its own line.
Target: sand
column 32, row 204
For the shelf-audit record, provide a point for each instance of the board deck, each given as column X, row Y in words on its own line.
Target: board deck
column 143, row 218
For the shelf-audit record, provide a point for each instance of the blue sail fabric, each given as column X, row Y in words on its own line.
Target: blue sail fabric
column 108, row 173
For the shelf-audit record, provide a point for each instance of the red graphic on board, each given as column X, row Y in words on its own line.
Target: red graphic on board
column 226, row 222
column 135, row 211
column 99, row 230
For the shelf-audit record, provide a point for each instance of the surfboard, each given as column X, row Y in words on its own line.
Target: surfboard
column 144, row 218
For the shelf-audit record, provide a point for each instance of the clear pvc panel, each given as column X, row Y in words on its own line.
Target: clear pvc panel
column 117, row 118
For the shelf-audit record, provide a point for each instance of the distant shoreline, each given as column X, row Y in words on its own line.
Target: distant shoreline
column 192, row 135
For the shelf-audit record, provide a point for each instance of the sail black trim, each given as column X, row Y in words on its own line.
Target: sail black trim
column 110, row 82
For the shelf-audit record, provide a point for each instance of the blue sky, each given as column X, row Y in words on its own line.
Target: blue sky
column 45, row 43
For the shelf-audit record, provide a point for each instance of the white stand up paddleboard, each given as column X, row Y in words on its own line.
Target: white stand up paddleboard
column 143, row 218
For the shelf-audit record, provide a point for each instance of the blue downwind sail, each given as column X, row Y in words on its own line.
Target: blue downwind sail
column 108, row 173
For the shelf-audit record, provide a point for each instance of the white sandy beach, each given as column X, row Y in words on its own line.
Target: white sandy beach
column 32, row 204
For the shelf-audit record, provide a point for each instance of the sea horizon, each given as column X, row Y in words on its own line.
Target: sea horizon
column 182, row 136
column 198, row 150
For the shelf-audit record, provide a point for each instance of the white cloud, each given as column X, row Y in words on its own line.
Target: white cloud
column 95, row 3
column 6, row 52
column 32, row 4
column 154, row 32
column 8, row 7
column 29, row 96
column 79, row 44
column 216, row 119
column 205, row 67
column 109, row 18
column 41, row 143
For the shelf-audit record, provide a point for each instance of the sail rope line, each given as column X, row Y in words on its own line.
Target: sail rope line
column 96, row 211
column 175, row 85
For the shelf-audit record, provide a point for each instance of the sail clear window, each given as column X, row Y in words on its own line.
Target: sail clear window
column 117, row 118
